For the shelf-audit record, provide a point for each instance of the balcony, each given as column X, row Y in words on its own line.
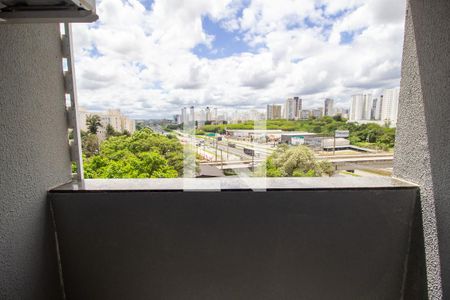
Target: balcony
column 299, row 239
column 209, row 239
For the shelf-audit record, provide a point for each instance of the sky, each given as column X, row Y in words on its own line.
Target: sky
column 150, row 58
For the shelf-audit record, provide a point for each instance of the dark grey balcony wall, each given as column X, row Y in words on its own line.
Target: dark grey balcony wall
column 286, row 244
column 422, row 153
column 34, row 157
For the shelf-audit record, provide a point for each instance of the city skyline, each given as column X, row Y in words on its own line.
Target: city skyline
column 371, row 109
column 159, row 55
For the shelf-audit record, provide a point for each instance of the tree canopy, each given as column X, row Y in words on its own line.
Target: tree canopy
column 298, row 161
column 144, row 154
column 93, row 123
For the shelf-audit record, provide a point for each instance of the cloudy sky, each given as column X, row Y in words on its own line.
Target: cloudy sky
column 151, row 57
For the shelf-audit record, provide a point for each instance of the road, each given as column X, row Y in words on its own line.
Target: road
column 219, row 153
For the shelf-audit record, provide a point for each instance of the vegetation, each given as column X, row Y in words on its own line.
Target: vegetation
column 90, row 143
column 364, row 135
column 143, row 154
column 93, row 123
column 296, row 161
column 172, row 127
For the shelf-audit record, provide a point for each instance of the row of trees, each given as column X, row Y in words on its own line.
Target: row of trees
column 366, row 135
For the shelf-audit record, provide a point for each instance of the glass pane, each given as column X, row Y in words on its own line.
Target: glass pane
column 231, row 88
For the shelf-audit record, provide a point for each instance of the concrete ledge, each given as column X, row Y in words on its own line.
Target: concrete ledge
column 230, row 184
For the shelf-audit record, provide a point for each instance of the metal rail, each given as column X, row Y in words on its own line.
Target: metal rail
column 71, row 91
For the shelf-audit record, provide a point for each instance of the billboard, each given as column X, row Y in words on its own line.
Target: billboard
column 341, row 134
column 297, row 140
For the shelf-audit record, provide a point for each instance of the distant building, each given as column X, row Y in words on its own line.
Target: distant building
column 305, row 114
column 327, row 144
column 389, row 106
column 273, row 111
column 113, row 117
column 368, row 106
column 200, row 116
column 184, row 115
column 292, row 108
column 254, row 134
column 191, row 114
column 328, row 109
column 373, row 109
column 208, row 116
column 317, row 113
column 361, row 106
column 296, row 138
column 339, row 111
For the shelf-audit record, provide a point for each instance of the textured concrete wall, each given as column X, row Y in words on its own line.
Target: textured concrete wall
column 34, row 157
column 423, row 131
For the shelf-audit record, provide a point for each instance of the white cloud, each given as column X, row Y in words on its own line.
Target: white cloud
column 142, row 60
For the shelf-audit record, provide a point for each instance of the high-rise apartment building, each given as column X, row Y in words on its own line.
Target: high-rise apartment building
column 328, row 109
column 184, row 115
column 372, row 109
column 361, row 107
column 292, row 108
column 208, row 116
column 368, row 100
column 191, row 114
column 389, row 106
column 375, row 113
column 273, row 111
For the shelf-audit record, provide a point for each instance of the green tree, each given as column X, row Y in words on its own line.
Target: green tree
column 90, row 144
column 144, row 154
column 110, row 131
column 298, row 161
column 93, row 123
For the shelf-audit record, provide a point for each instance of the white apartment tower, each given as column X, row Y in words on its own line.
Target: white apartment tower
column 184, row 116
column 368, row 100
column 328, row 109
column 208, row 116
column 292, row 108
column 375, row 113
column 273, row 111
column 361, row 107
column 389, row 106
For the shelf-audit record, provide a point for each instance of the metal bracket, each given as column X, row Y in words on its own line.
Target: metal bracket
column 72, row 110
column 71, row 118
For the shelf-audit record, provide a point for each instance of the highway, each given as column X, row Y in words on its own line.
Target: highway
column 339, row 163
column 235, row 158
